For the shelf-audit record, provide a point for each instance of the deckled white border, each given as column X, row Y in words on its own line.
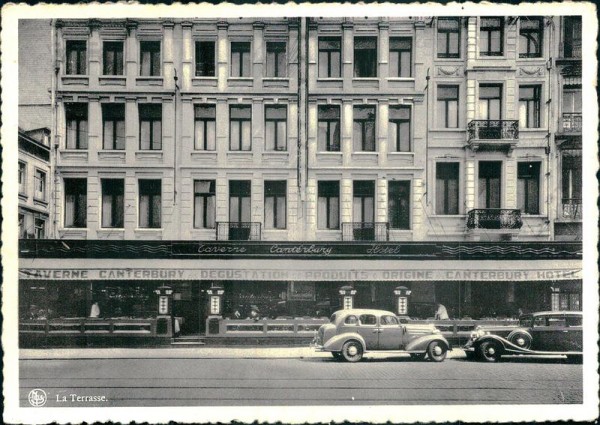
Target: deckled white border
column 296, row 414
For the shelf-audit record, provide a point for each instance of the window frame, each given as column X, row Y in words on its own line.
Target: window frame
column 329, row 147
column 81, row 66
column 447, row 102
column 328, row 194
column 277, row 194
column 528, row 178
column 445, row 177
column 22, row 177
column 205, row 122
column 117, row 70
column 277, row 53
column 155, row 59
column 76, row 112
column 243, row 73
column 240, row 121
column 328, row 51
column 40, row 177
column 363, row 197
column 398, row 72
column 152, row 220
column 115, row 125
column 491, row 29
column 397, row 122
column 39, row 231
column 487, row 180
column 488, row 100
column 199, row 64
column 240, row 195
column 77, row 183
column 526, row 34
column 277, row 147
column 148, row 117
column 361, row 55
column 212, row 193
column 446, row 33
column 110, row 187
column 362, row 122
column 536, row 102
column 397, row 222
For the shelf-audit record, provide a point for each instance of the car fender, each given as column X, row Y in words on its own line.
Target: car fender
column 503, row 342
column 421, row 343
column 336, row 343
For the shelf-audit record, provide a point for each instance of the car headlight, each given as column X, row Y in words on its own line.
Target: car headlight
column 436, row 331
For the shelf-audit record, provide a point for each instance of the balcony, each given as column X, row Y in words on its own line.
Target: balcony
column 493, row 134
column 238, row 231
column 494, row 219
column 365, row 231
column 570, row 123
column 571, row 208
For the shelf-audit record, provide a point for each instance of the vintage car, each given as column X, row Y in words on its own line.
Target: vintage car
column 353, row 332
column 541, row 333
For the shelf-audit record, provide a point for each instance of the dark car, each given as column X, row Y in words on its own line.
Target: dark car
column 541, row 333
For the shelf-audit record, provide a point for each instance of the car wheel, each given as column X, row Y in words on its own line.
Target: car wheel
column 520, row 339
column 437, row 351
column 418, row 356
column 575, row 358
column 352, row 351
column 490, row 351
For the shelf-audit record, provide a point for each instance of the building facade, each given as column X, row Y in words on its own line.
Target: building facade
column 281, row 159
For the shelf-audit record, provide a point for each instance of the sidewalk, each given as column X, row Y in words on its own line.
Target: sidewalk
column 195, row 352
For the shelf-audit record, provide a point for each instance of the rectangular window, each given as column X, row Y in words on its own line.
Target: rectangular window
column 328, row 205
column 446, row 188
column 276, row 59
column 204, row 204
column 76, row 57
column 40, row 228
column 572, row 36
column 112, row 56
column 399, row 204
column 22, row 227
column 150, row 58
column 76, row 115
column 240, row 128
column 150, row 203
column 399, row 129
column 113, row 124
column 22, row 178
column 239, row 201
column 328, row 129
column 401, row 57
column 490, row 187
column 275, row 204
column 448, row 38
column 363, row 203
column 365, row 57
column 330, row 57
column 40, row 185
column 364, row 128
column 571, row 178
column 205, row 132
column 240, row 59
column 113, row 211
column 528, row 187
column 447, row 106
column 205, row 58
column 529, row 106
column 276, row 128
column 490, row 101
column 150, row 126
column 75, row 202
column 571, row 100
column 491, row 36
column 531, row 33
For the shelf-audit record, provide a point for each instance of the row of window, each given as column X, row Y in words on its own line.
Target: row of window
column 39, row 179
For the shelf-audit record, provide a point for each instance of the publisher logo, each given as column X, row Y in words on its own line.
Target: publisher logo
column 37, row 397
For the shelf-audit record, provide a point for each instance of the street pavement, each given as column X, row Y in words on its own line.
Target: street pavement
column 218, row 376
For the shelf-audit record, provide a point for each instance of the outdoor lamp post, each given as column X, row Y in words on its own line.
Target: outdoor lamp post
column 402, row 293
column 347, row 294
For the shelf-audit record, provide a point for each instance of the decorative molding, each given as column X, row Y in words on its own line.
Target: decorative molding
column 530, row 71
column 451, row 71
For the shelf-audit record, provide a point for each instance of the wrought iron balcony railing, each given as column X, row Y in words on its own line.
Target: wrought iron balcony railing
column 493, row 130
column 571, row 208
column 238, row 231
column 365, row 231
column 570, row 122
column 494, row 218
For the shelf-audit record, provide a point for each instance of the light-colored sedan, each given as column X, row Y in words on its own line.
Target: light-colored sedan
column 353, row 332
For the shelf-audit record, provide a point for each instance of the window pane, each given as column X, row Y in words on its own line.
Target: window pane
column 322, row 136
column 334, row 213
column 108, row 135
column 120, row 136
column 395, row 64
column 404, row 137
column 322, row 212
column 405, row 69
column 145, row 65
column 245, row 205
column 235, row 64
column 234, row 135
column 281, row 135
column 269, row 212
column 145, row 135
column 369, row 142
column 199, row 135
column 234, row 209
column 453, row 44
column 156, row 135
column 335, row 64
column 211, row 135
column 83, row 134
column 246, row 70
column 357, row 136
column 281, row 213
column 392, row 135
column 452, row 114
column 282, row 64
column 483, row 42
column 246, row 136
column 270, row 135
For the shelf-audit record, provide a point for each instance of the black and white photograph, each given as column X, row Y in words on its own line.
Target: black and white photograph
column 299, row 213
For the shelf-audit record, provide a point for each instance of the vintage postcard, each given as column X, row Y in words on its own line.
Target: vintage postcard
column 300, row 213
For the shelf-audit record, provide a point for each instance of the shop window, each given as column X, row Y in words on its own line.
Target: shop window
column 76, row 115
column 40, row 228
column 240, row 128
column 401, row 57
column 150, row 58
column 75, row 202
column 204, row 204
column 113, row 123
column 113, row 211
column 491, row 36
column 205, row 132
column 363, row 204
column 330, row 57
column 528, row 187
column 328, row 205
column 239, row 201
column 276, row 59
column 448, row 38
column 40, row 185
column 365, row 57
column 240, row 59
column 531, row 33
column 150, row 126
column 328, row 129
column 112, row 58
column 490, row 184
column 529, row 106
column 76, row 57
column 490, row 102
column 364, row 129
column 399, row 129
column 275, row 204
column 275, row 128
column 150, row 204
column 22, row 178
column 572, row 37
column 399, row 204
column 205, row 58
column 447, row 106
column 446, row 189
